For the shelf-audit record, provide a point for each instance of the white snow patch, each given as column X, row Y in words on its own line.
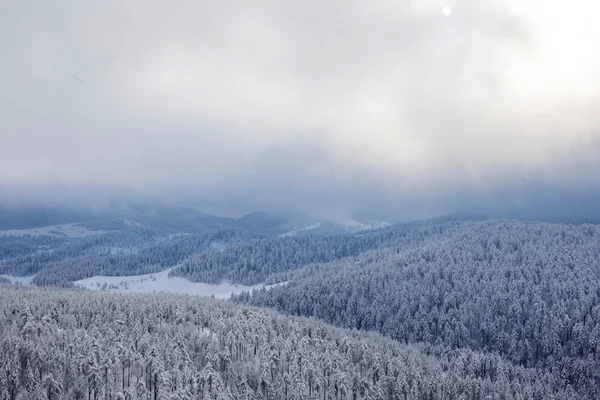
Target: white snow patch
column 276, row 285
column 130, row 222
column 206, row 332
column 24, row 280
column 161, row 282
column 306, row 228
column 359, row 226
column 65, row 230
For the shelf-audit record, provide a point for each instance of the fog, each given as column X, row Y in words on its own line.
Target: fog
column 330, row 107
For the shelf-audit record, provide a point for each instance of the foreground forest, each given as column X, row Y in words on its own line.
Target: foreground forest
column 57, row 344
column 439, row 309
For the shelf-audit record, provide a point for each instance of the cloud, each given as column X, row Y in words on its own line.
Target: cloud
column 330, row 106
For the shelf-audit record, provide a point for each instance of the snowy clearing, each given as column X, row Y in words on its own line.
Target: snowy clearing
column 65, row 230
column 161, row 282
column 306, row 228
column 359, row 226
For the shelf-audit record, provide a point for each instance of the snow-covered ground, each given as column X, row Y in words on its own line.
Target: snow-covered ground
column 161, row 282
column 359, row 226
column 25, row 280
column 157, row 282
column 306, row 228
column 65, row 230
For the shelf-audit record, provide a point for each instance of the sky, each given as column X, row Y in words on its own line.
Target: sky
column 413, row 108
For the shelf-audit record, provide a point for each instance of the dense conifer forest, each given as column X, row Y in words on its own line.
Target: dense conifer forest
column 527, row 291
column 57, row 344
column 439, row 309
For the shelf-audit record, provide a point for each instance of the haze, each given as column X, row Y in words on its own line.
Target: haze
column 330, row 107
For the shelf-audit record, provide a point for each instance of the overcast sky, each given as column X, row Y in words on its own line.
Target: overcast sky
column 410, row 107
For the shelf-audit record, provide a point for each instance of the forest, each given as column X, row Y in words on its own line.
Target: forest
column 527, row 291
column 300, row 200
column 66, row 344
column 437, row 309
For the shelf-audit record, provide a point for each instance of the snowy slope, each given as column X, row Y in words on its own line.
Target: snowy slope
column 355, row 225
column 306, row 228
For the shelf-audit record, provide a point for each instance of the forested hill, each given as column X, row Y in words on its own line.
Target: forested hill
column 255, row 261
column 28, row 220
column 528, row 291
column 143, row 240
column 130, row 252
column 459, row 301
column 79, row 345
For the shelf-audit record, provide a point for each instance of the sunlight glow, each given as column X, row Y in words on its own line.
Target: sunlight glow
column 562, row 60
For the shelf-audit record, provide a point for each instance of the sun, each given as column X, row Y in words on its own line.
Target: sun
column 447, row 11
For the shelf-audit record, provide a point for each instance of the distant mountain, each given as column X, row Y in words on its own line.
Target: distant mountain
column 337, row 227
column 35, row 217
column 184, row 219
column 181, row 219
column 275, row 223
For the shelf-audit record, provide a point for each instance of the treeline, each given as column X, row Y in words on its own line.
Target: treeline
column 528, row 291
column 80, row 345
column 170, row 252
column 243, row 257
column 131, row 252
column 17, row 246
column 40, row 256
column 254, row 261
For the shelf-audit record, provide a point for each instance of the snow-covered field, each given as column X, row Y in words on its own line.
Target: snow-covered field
column 306, row 228
column 359, row 226
column 157, row 282
column 160, row 282
column 65, row 230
